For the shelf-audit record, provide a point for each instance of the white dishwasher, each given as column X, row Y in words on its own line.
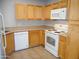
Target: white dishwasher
column 21, row 40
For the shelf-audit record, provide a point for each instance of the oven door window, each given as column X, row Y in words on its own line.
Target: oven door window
column 51, row 40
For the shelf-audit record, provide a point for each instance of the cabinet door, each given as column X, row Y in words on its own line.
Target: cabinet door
column 38, row 10
column 73, row 45
column 30, row 12
column 73, row 9
column 10, row 43
column 36, row 38
column 62, row 3
column 62, row 47
column 42, row 37
column 47, row 13
column 20, row 12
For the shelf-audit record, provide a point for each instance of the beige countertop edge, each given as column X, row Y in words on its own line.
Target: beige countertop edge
column 27, row 28
column 24, row 30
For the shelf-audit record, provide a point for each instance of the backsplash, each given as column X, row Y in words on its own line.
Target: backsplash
column 38, row 22
column 29, row 22
column 51, row 22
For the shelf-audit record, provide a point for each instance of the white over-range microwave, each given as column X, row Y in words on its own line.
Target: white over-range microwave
column 58, row 13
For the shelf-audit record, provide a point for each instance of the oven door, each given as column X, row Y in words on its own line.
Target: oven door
column 52, row 40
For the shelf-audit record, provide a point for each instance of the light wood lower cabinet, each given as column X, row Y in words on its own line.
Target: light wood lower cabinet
column 62, row 47
column 10, row 43
column 73, row 42
column 36, row 38
column 42, row 37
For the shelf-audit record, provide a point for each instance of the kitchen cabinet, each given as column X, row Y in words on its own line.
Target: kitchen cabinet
column 36, row 38
column 21, row 40
column 73, row 6
column 62, row 3
column 21, row 12
column 47, row 12
column 62, row 46
column 73, row 42
column 30, row 13
column 72, row 51
column 10, row 48
column 34, row 12
column 24, row 12
column 42, row 37
column 38, row 12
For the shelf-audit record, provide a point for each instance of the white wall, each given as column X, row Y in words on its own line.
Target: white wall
column 9, row 13
column 0, row 6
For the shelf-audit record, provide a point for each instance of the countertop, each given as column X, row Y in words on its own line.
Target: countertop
column 27, row 28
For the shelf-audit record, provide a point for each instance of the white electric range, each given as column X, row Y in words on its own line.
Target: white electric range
column 52, row 42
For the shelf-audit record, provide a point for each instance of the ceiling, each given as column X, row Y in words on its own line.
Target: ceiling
column 47, row 0
column 39, row 2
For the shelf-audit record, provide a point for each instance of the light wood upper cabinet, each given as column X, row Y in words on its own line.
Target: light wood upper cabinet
column 30, row 14
column 10, row 43
column 47, row 12
column 36, row 38
column 24, row 12
column 63, row 3
column 38, row 10
column 73, row 9
column 34, row 12
column 21, row 12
